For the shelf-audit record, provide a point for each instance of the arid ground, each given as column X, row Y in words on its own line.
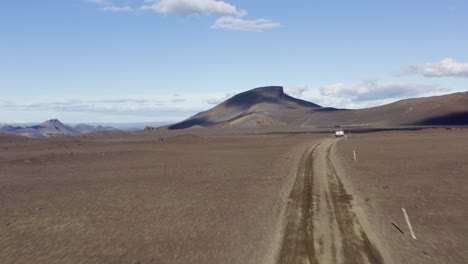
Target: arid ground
column 130, row 199
column 174, row 197
column 425, row 172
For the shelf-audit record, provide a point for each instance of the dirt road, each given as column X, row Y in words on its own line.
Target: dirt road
column 321, row 224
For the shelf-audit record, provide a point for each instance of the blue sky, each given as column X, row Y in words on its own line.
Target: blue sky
column 164, row 60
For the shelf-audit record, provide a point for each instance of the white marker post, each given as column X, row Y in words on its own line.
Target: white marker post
column 354, row 154
column 409, row 224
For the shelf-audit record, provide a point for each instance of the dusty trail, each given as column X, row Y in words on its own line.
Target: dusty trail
column 321, row 224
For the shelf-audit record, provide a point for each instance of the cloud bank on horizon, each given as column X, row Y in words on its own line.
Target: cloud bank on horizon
column 139, row 108
column 367, row 93
column 445, row 68
column 231, row 17
column 372, row 90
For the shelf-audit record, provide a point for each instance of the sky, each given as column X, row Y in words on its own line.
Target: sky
column 164, row 60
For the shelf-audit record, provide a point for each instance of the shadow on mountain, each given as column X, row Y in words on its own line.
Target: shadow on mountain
column 330, row 109
column 192, row 122
column 455, row 119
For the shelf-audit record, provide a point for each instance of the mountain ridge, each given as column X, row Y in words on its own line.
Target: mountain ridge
column 52, row 128
column 270, row 106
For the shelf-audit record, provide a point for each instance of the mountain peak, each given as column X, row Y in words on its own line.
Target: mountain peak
column 268, row 91
column 267, row 94
column 53, row 121
column 54, row 124
column 263, row 105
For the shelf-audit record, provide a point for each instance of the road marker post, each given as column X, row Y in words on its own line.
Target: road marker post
column 408, row 222
column 354, row 154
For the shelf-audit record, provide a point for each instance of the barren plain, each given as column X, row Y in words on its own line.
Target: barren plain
column 203, row 197
column 145, row 199
column 425, row 172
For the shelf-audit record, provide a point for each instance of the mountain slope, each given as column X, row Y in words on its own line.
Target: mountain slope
column 270, row 106
column 449, row 109
column 51, row 128
column 55, row 127
column 257, row 107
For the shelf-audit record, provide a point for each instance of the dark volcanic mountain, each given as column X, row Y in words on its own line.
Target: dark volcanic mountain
column 265, row 106
column 270, row 106
column 54, row 126
column 51, row 128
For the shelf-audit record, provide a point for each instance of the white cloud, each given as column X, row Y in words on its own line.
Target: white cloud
column 218, row 100
column 194, row 7
column 445, row 67
column 114, row 106
column 139, row 107
column 118, row 9
column 236, row 23
column 345, row 103
column 371, row 90
column 109, row 6
column 100, row 2
column 295, row 91
column 229, row 14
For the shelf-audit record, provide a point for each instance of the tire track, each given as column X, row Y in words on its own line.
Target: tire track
column 298, row 239
column 321, row 224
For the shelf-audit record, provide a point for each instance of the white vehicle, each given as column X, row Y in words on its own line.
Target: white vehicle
column 339, row 133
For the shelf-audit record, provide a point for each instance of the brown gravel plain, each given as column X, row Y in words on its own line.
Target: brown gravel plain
column 146, row 198
column 202, row 197
column 425, row 172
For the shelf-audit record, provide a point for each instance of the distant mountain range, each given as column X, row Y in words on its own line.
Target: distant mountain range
column 133, row 126
column 52, row 128
column 270, row 106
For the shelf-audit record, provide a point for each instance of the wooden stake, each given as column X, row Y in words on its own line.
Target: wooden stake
column 408, row 222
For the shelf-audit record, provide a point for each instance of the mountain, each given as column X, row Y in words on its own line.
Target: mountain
column 55, row 127
column 131, row 126
column 85, row 129
column 264, row 106
column 270, row 106
column 449, row 109
column 52, row 128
